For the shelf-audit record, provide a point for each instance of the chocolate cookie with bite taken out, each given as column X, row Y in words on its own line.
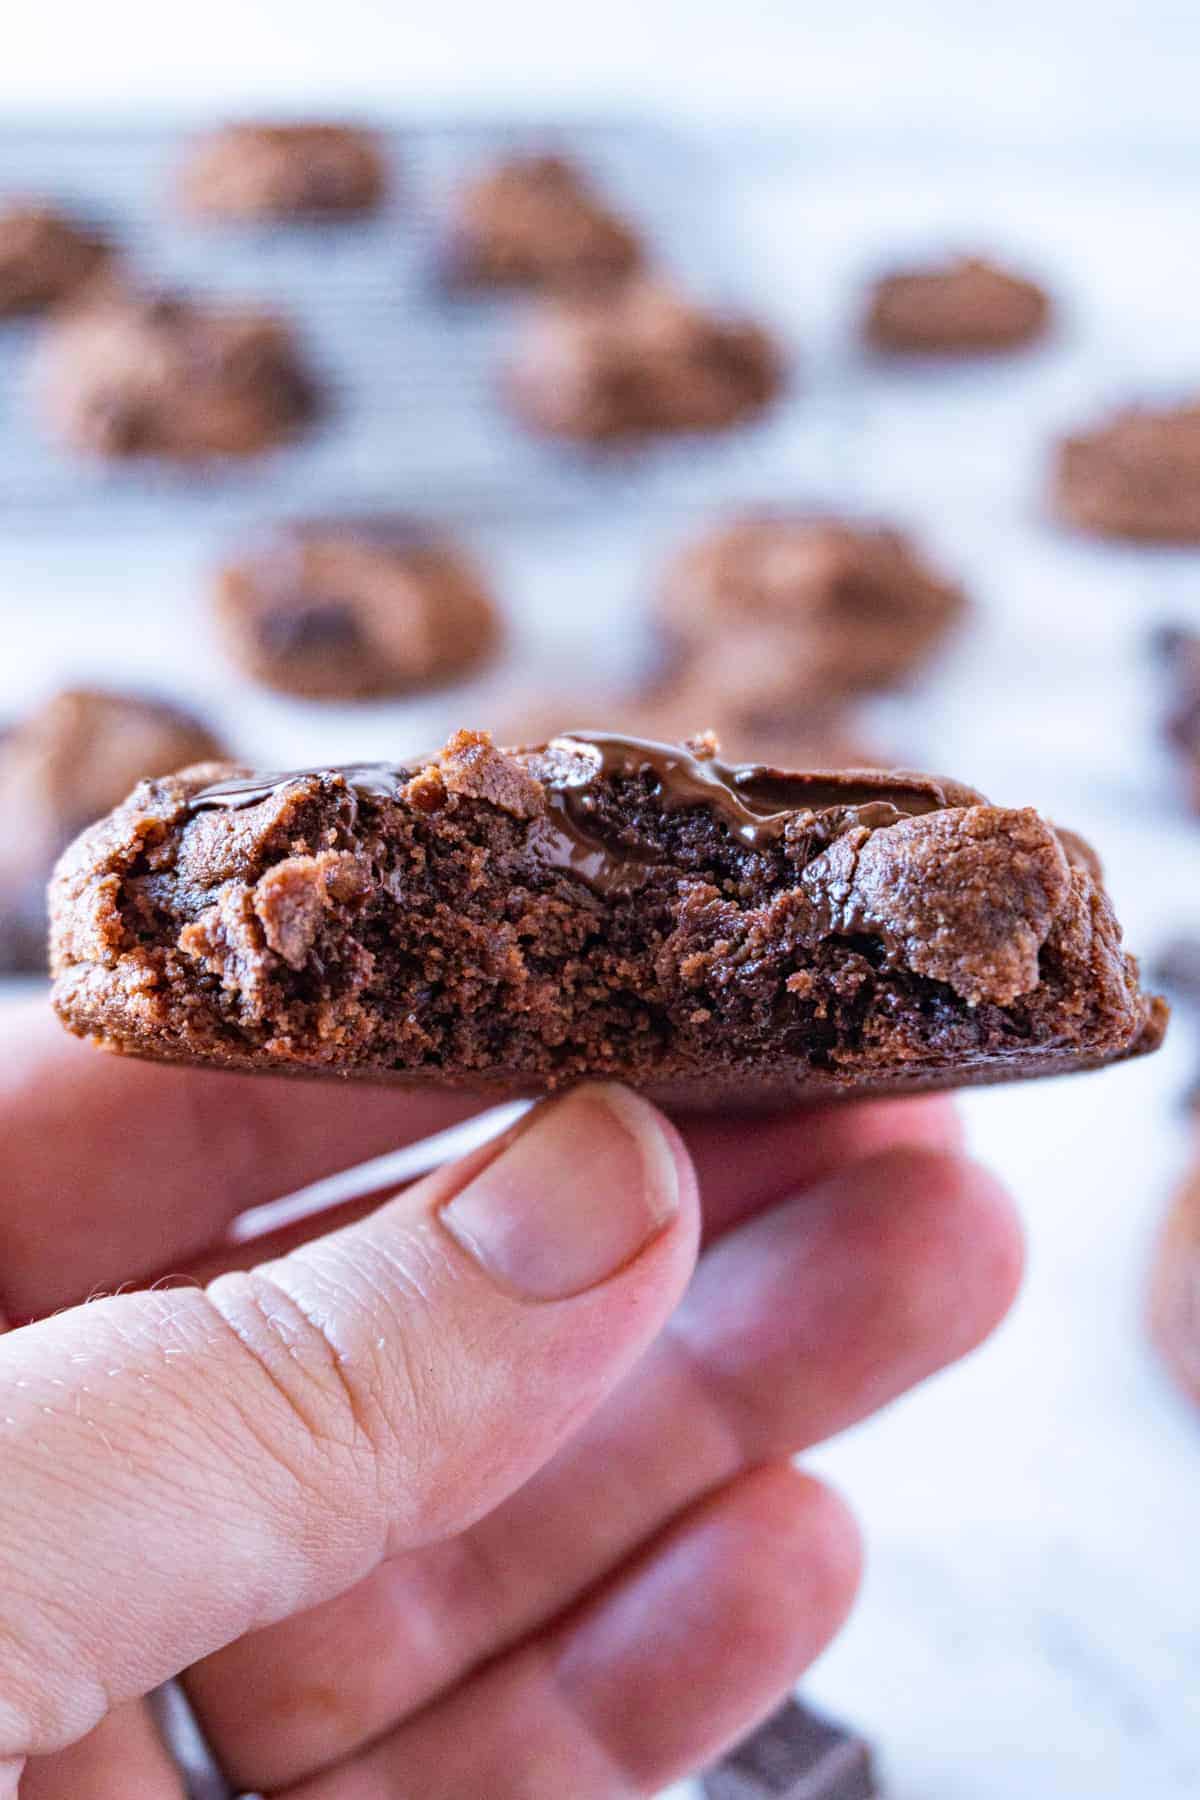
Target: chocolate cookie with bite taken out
column 514, row 921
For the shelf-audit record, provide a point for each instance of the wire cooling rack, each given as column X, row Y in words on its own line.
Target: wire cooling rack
column 411, row 373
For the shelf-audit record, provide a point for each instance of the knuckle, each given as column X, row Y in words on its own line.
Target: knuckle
column 312, row 1395
column 356, row 1376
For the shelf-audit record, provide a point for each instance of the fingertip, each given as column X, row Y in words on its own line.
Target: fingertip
column 666, row 1153
column 1000, row 1236
column 747, row 1164
column 954, row 1227
column 814, row 1547
column 921, row 1119
column 703, row 1635
column 687, row 1183
column 669, row 1167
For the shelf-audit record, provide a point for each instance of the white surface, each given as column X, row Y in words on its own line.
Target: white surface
column 1044, row 66
column 1029, row 1625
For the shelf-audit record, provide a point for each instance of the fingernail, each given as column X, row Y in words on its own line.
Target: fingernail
column 581, row 1189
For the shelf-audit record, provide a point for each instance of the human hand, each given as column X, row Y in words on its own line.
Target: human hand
column 485, row 1494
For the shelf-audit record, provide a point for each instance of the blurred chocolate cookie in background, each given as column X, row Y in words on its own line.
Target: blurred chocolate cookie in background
column 960, row 307
column 249, row 171
column 132, row 375
column 536, row 222
column 1174, row 1310
column 813, row 737
column 1179, row 653
column 346, row 609
column 75, row 757
column 640, row 361
column 45, row 257
column 1135, row 474
column 820, row 736
column 778, row 611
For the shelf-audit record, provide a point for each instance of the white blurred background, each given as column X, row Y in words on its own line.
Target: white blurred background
column 1030, row 1624
column 1042, row 66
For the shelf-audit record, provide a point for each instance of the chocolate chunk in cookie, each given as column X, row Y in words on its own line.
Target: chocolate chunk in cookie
column 638, row 362
column 270, row 171
column 519, row 920
column 45, row 257
column 536, row 222
column 64, row 765
column 131, row 376
column 784, row 611
column 1134, row 475
column 955, row 308
column 342, row 609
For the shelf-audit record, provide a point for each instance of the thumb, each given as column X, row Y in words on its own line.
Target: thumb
column 181, row 1467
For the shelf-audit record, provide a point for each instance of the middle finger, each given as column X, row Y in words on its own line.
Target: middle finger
column 796, row 1324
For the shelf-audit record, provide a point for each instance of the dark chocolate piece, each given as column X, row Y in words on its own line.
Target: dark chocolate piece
column 955, row 308
column 346, row 609
column 1135, row 475
column 132, row 375
column 640, row 361
column 796, row 1754
column 274, row 171
column 518, row 920
column 756, row 805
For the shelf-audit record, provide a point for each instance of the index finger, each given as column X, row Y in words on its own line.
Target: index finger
column 119, row 1170
column 113, row 1166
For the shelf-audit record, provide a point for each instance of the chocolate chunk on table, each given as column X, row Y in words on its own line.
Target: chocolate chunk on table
column 796, row 1754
